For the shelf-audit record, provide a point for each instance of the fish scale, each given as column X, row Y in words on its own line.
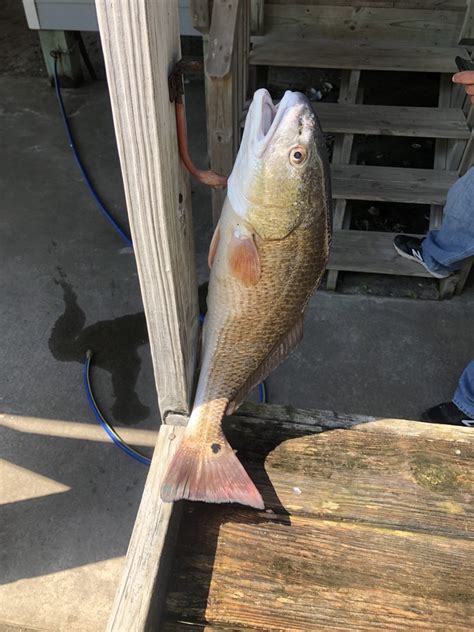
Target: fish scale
column 268, row 255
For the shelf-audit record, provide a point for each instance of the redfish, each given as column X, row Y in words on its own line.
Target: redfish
column 267, row 256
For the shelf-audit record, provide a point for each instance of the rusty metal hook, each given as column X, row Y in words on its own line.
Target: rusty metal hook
column 175, row 84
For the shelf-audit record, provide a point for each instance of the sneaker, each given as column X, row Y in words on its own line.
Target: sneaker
column 410, row 248
column 447, row 413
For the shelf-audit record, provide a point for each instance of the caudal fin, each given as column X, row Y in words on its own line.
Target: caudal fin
column 211, row 473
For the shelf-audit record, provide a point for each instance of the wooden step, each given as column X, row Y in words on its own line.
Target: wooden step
column 391, row 184
column 389, row 120
column 370, row 251
column 268, row 51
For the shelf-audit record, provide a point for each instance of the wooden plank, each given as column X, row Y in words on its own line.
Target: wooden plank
column 372, row 26
column 268, row 51
column 69, row 63
column 390, row 120
column 342, row 152
column 226, row 74
column 222, row 37
column 370, row 251
column 441, row 147
column 387, row 120
column 442, row 5
column 257, row 26
column 391, row 184
column 369, row 526
column 141, row 44
column 200, row 15
column 466, row 37
column 319, row 574
column 142, row 590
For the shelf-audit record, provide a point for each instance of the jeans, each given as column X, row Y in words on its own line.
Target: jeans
column 445, row 248
column 464, row 395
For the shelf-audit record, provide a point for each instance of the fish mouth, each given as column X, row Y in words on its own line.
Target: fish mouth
column 266, row 116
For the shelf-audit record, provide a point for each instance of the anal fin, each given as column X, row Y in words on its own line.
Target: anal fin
column 276, row 356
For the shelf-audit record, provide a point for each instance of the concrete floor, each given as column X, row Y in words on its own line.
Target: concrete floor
column 68, row 498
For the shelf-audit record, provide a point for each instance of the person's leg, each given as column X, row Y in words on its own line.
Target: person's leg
column 444, row 249
column 464, row 395
column 460, row 410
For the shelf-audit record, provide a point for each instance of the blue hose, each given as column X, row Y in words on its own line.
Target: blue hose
column 105, row 212
column 119, row 442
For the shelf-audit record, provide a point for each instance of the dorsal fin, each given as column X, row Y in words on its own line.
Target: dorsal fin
column 276, row 356
column 243, row 258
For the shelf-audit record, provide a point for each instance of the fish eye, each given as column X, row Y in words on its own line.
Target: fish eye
column 297, row 155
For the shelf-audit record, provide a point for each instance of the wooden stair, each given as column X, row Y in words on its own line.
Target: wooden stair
column 269, row 51
column 372, row 252
column 391, row 184
column 353, row 36
column 389, row 120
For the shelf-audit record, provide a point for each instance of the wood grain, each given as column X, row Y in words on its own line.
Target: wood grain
column 200, row 15
column 390, row 120
column 140, row 41
column 350, row 93
column 369, row 526
column 370, row 251
column 466, row 37
column 445, row 5
column 318, row 574
column 142, row 589
column 141, row 44
column 373, row 26
column 352, row 55
column 391, row 184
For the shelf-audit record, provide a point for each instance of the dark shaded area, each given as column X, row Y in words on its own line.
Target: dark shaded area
column 404, row 218
column 115, row 345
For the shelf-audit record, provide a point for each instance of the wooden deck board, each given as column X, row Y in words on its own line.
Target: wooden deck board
column 369, row 525
column 370, row 251
column 389, row 120
column 267, row 51
column 391, row 184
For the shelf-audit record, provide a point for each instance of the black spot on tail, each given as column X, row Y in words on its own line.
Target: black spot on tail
column 216, row 447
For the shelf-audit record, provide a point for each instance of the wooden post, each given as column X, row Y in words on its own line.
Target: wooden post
column 350, row 92
column 257, row 17
column 141, row 44
column 69, row 62
column 226, row 73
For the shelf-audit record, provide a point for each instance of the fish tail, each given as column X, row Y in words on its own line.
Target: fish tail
column 208, row 471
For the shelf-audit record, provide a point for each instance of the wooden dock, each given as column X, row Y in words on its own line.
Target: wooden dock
column 369, row 525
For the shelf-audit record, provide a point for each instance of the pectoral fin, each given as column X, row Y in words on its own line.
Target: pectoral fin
column 276, row 356
column 244, row 260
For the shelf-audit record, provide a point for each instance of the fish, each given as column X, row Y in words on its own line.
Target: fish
column 267, row 256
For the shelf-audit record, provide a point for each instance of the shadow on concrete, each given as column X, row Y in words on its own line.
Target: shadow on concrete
column 90, row 522
column 115, row 345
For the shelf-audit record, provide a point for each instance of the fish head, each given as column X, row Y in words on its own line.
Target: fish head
column 280, row 178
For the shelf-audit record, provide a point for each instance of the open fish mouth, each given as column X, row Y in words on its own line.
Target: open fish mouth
column 266, row 117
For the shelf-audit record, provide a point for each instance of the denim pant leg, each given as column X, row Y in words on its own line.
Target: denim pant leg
column 464, row 395
column 445, row 248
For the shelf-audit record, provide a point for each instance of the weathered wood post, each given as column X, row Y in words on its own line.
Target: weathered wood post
column 226, row 42
column 141, row 44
